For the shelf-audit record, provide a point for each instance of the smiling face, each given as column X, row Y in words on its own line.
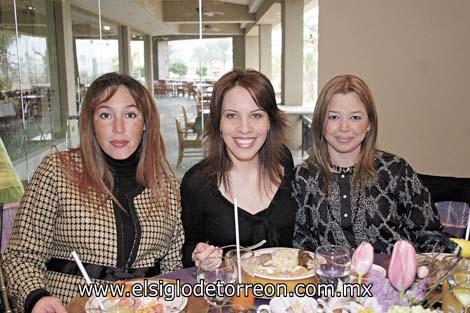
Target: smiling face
column 244, row 126
column 346, row 127
column 118, row 125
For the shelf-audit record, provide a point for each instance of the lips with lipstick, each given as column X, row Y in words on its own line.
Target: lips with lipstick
column 119, row 143
column 344, row 139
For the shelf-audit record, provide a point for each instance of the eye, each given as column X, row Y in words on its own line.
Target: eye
column 356, row 117
column 257, row 115
column 333, row 117
column 131, row 115
column 104, row 115
column 230, row 115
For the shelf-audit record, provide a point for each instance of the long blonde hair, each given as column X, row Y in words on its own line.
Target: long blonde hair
column 319, row 156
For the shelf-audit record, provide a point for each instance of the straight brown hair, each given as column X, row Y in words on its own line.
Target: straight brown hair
column 319, row 156
column 153, row 169
column 271, row 153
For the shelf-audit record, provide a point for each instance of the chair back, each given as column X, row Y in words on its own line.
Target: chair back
column 451, row 196
column 185, row 116
column 180, row 132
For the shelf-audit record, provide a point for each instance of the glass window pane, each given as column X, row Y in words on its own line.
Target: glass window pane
column 137, row 58
column 310, row 53
column 30, row 113
column 94, row 56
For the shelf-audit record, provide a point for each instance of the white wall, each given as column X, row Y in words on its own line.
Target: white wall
column 415, row 57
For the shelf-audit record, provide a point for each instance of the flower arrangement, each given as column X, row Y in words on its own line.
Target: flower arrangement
column 405, row 290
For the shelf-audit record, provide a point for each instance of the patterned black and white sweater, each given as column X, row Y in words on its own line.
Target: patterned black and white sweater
column 394, row 205
column 55, row 218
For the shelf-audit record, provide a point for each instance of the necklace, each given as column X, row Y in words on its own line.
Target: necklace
column 341, row 169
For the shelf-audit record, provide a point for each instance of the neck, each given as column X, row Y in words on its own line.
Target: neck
column 245, row 166
column 344, row 159
column 126, row 167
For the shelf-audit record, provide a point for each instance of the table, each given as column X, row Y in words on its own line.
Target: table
column 195, row 304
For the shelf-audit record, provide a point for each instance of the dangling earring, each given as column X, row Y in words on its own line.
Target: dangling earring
column 145, row 128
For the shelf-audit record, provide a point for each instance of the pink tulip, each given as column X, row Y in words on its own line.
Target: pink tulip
column 402, row 268
column 362, row 258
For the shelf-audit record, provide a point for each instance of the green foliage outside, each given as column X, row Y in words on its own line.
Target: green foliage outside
column 201, row 72
column 179, row 68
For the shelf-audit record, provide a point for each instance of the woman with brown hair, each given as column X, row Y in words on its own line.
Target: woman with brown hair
column 246, row 160
column 113, row 200
column 348, row 191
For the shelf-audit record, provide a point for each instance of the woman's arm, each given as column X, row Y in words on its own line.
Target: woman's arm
column 30, row 245
column 172, row 260
column 304, row 226
column 421, row 221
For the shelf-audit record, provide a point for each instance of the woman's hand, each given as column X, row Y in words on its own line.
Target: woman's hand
column 204, row 251
column 49, row 305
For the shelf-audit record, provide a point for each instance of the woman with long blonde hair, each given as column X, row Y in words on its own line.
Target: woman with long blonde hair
column 348, row 191
column 113, row 200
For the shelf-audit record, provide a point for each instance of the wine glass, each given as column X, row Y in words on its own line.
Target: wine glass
column 460, row 284
column 217, row 270
column 333, row 264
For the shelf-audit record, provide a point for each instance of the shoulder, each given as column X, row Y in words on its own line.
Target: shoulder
column 305, row 172
column 287, row 162
column 391, row 163
column 196, row 175
column 59, row 160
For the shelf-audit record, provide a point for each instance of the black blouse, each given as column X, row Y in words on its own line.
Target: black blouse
column 208, row 216
column 393, row 205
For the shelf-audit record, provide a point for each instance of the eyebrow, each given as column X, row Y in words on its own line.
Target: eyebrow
column 237, row 111
column 355, row 112
column 110, row 107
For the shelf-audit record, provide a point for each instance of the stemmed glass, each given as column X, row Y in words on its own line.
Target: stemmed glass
column 460, row 284
column 217, row 269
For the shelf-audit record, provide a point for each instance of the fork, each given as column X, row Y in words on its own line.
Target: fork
column 257, row 245
column 252, row 247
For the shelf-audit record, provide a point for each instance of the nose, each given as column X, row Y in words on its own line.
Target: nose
column 244, row 126
column 118, row 125
column 344, row 126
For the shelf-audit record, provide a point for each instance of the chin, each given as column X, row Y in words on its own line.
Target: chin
column 119, row 155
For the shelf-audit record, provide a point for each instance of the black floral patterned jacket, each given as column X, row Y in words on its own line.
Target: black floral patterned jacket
column 54, row 218
column 394, row 205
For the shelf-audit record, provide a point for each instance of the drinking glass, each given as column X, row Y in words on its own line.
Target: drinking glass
column 333, row 264
column 217, row 269
column 245, row 300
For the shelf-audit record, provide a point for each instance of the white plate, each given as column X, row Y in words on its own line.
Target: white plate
column 309, row 274
column 173, row 306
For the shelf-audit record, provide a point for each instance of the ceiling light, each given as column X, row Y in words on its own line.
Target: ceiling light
column 106, row 27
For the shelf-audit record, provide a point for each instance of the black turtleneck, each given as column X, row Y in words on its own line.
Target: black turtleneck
column 127, row 223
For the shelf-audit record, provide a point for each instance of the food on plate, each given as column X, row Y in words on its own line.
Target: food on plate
column 130, row 304
column 285, row 262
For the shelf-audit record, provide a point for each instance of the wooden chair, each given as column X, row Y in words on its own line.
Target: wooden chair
column 187, row 147
column 161, row 88
column 189, row 89
column 187, row 124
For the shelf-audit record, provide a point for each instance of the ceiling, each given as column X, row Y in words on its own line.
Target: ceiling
column 179, row 18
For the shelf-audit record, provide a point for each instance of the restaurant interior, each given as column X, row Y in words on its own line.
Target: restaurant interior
column 413, row 55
